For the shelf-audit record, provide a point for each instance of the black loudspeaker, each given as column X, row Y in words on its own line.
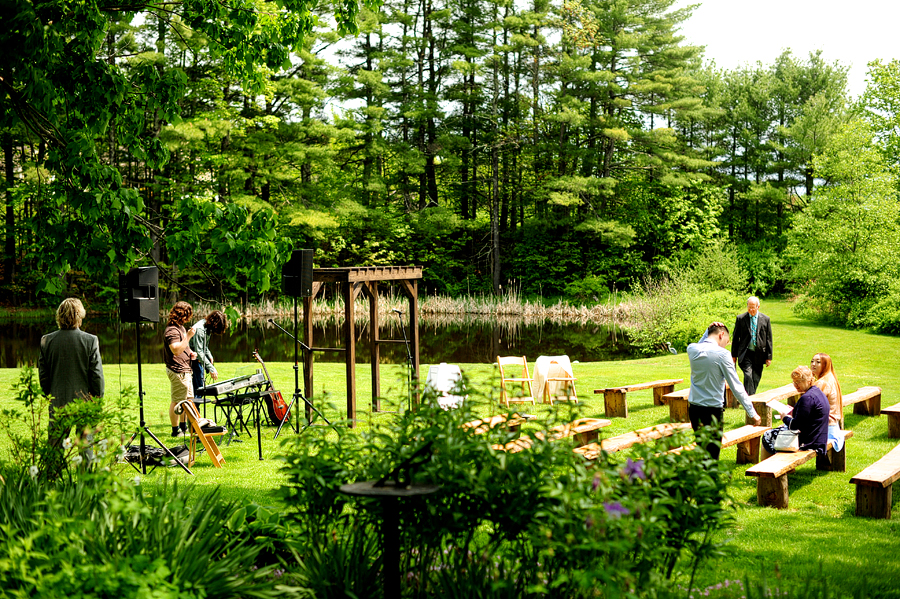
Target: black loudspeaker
column 297, row 274
column 138, row 297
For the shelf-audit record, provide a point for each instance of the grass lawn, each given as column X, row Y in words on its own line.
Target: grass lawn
column 817, row 535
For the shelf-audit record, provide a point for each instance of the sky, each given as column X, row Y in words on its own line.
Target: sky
column 739, row 32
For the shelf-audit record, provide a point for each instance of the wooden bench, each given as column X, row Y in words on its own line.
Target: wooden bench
column 874, row 486
column 678, row 403
column 583, row 430
column 747, row 438
column 785, row 394
column 614, row 397
column 771, row 473
column 893, row 414
column 592, row 451
column 511, row 422
column 866, row 401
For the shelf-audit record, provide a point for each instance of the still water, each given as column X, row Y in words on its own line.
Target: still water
column 459, row 342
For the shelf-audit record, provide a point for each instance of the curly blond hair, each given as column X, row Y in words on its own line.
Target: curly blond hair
column 70, row 313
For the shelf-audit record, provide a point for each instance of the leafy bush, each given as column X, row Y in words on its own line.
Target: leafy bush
column 717, row 267
column 672, row 311
column 764, row 265
column 528, row 524
column 97, row 423
column 589, row 289
column 97, row 536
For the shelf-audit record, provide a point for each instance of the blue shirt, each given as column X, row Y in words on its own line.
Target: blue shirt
column 711, row 368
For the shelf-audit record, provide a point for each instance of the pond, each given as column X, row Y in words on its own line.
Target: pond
column 440, row 341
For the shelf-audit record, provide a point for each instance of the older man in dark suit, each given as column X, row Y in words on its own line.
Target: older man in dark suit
column 69, row 365
column 751, row 348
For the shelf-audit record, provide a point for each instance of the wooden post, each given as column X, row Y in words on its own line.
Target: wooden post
column 893, row 425
column 772, row 492
column 350, row 291
column 614, row 403
column 764, row 411
column 370, row 288
column 874, row 501
column 658, row 393
column 678, row 410
column 748, row 451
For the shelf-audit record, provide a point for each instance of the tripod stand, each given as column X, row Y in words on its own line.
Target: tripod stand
column 143, row 429
column 297, row 393
column 409, row 360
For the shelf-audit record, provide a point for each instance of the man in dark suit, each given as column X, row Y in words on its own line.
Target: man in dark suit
column 69, row 365
column 751, row 348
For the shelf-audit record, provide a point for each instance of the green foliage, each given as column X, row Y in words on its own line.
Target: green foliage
column 843, row 244
column 502, row 524
column 764, row 265
column 99, row 536
column 717, row 267
column 96, row 424
column 677, row 309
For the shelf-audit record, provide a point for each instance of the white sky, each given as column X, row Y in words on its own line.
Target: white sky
column 738, row 32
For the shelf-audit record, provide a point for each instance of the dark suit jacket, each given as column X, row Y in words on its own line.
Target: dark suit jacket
column 741, row 336
column 69, row 365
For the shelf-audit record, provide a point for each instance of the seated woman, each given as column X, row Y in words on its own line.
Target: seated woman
column 823, row 369
column 809, row 416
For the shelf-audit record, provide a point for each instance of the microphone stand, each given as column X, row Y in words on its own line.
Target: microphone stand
column 297, row 392
column 409, row 360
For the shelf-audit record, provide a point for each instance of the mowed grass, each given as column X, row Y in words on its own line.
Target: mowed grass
column 817, row 536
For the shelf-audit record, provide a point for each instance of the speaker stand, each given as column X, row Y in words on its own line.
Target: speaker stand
column 143, row 429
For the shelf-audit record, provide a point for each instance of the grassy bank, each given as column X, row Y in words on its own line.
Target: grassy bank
column 819, row 533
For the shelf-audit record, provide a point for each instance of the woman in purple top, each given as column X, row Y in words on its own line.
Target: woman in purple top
column 810, row 414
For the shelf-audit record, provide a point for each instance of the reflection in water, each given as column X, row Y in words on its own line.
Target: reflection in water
column 442, row 339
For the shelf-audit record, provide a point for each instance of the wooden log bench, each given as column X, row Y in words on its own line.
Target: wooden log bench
column 614, row 397
column 592, row 451
column 772, row 473
column 583, row 430
column 866, row 401
column 893, row 414
column 874, row 486
column 511, row 421
column 787, row 394
column 747, row 438
column 678, row 403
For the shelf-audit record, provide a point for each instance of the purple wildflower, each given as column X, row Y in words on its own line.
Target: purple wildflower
column 596, row 484
column 589, row 522
column 615, row 509
column 635, row 469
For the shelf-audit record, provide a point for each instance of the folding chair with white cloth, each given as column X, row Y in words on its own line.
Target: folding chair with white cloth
column 554, row 379
column 444, row 380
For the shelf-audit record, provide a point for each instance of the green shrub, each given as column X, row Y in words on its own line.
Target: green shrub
column 674, row 312
column 95, row 535
column 529, row 524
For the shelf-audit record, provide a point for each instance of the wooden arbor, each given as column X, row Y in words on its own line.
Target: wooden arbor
column 354, row 280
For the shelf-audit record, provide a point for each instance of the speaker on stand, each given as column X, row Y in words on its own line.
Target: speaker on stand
column 139, row 302
column 297, row 281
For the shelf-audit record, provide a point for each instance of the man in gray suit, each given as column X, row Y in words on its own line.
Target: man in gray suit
column 69, row 366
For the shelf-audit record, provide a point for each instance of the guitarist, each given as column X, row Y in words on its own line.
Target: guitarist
column 214, row 323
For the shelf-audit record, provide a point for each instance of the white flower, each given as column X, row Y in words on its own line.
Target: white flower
column 77, row 459
column 33, row 471
column 102, row 443
column 137, row 480
column 67, row 443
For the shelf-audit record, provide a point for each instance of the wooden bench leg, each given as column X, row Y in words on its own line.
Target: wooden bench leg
column 614, row 403
column 772, row 492
column 748, row 451
column 730, row 401
column 764, row 411
column 893, row 425
column 870, row 407
column 658, row 393
column 874, row 502
column 678, row 410
column 834, row 461
column 587, row 437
